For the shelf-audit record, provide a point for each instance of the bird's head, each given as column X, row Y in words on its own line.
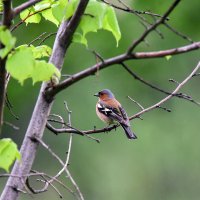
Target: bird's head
column 105, row 94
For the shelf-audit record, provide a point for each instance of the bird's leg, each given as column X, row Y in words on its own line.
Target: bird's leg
column 114, row 124
column 106, row 129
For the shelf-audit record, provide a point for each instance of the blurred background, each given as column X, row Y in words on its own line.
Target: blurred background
column 164, row 162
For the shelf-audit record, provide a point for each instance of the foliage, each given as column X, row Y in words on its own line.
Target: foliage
column 8, row 153
column 7, row 40
column 165, row 156
column 22, row 62
column 97, row 16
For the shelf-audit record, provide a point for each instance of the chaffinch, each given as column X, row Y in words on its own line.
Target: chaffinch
column 109, row 110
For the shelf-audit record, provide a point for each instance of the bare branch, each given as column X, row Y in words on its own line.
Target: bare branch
column 63, row 164
column 37, row 38
column 24, row 6
column 185, row 37
column 72, row 129
column 47, row 37
column 153, row 27
column 137, row 115
column 126, row 8
column 43, row 106
column 142, row 108
column 179, row 95
column 118, row 60
column 6, row 21
column 180, row 85
column 28, row 16
column 68, row 154
column 11, row 125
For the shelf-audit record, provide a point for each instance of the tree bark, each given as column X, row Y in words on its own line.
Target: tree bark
column 41, row 111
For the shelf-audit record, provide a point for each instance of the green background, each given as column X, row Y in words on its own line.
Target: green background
column 164, row 162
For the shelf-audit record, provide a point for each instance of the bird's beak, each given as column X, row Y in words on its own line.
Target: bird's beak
column 96, row 95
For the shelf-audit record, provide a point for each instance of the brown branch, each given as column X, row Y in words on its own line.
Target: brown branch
column 77, row 131
column 74, row 131
column 185, row 37
column 179, row 95
column 37, row 38
column 7, row 13
column 28, row 16
column 126, row 8
column 64, row 168
column 35, row 173
column 180, row 85
column 24, row 6
column 46, row 37
column 136, row 13
column 153, row 27
column 68, row 155
column 117, row 60
column 42, row 108
column 6, row 21
column 137, row 115
column 80, row 196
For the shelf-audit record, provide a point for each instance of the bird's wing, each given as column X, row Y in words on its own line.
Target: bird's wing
column 113, row 113
column 124, row 114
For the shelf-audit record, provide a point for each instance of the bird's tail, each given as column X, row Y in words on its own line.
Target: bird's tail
column 128, row 132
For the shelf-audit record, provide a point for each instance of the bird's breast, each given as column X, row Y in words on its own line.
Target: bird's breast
column 103, row 117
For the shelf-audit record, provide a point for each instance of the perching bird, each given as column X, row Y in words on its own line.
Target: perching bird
column 110, row 110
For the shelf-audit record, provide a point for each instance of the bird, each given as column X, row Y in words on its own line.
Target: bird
column 109, row 110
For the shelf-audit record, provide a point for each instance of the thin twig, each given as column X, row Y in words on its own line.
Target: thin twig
column 130, row 10
column 72, row 129
column 46, row 37
column 137, row 115
column 11, row 125
column 58, row 158
column 60, row 118
column 180, row 85
column 6, row 21
column 137, row 13
column 142, row 108
column 69, row 149
column 68, row 155
column 24, row 6
column 153, row 27
column 37, row 38
column 185, row 37
column 43, row 105
column 116, row 60
column 29, row 15
column 179, row 95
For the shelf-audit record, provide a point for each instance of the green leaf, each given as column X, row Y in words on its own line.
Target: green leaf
column 168, row 57
column 70, row 9
column 8, row 153
column 22, row 69
column 1, row 6
column 20, row 64
column 48, row 15
column 7, row 40
column 58, row 10
column 42, row 5
column 41, row 51
column 98, row 16
column 64, row 9
column 29, row 16
column 79, row 38
column 43, row 71
column 93, row 18
column 110, row 23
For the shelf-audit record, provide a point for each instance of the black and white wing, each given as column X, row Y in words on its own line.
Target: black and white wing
column 111, row 112
column 117, row 115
